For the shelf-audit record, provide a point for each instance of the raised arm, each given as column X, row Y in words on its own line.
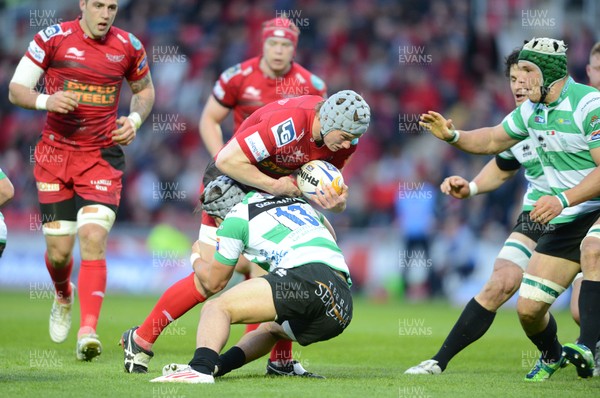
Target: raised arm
column 483, row 141
column 213, row 115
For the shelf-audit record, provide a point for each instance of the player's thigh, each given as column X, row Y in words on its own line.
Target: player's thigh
column 512, row 261
column 546, row 278
column 555, row 269
column 248, row 302
column 59, row 224
column 515, row 253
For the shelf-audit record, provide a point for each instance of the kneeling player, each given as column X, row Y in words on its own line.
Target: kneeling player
column 305, row 297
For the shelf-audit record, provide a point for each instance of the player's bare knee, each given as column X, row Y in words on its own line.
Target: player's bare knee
column 529, row 311
column 503, row 283
column 58, row 258
column 275, row 329
column 590, row 249
column 216, row 305
column 92, row 234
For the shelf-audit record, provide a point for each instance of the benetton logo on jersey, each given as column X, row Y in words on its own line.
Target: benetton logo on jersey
column 92, row 94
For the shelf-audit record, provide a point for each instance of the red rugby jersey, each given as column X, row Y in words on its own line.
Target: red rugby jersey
column 245, row 88
column 277, row 138
column 94, row 70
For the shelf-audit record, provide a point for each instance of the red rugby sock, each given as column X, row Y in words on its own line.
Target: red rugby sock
column 92, row 286
column 175, row 301
column 282, row 352
column 61, row 278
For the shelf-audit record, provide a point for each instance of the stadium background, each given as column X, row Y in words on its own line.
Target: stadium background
column 405, row 57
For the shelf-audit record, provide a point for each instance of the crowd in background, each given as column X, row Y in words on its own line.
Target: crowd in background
column 404, row 57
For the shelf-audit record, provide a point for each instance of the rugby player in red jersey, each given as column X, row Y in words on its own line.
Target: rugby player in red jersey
column 269, row 146
column 79, row 160
column 249, row 85
column 244, row 88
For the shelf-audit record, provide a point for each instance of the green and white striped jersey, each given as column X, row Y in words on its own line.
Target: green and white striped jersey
column 537, row 185
column 277, row 232
column 562, row 133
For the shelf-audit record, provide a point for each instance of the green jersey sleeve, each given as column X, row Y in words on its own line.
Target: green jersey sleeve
column 232, row 239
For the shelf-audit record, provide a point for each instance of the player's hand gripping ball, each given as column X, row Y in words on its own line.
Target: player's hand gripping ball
column 316, row 173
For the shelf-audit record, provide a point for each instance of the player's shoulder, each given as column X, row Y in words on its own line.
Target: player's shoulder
column 584, row 98
column 240, row 71
column 291, row 107
column 125, row 39
column 308, row 78
column 306, row 102
column 52, row 34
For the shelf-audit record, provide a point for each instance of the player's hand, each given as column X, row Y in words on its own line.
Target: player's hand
column 126, row 133
column 545, row 209
column 329, row 199
column 285, row 186
column 437, row 124
column 455, row 186
column 62, row 102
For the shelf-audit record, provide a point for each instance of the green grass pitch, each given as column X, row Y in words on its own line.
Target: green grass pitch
column 368, row 360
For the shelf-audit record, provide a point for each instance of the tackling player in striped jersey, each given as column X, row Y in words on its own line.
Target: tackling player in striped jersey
column 305, row 297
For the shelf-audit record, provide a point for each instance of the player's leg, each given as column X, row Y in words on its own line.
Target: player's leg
column 302, row 296
column 479, row 313
column 249, row 302
column 551, row 270
column 583, row 354
column 60, row 239
column 546, row 278
column 177, row 300
column 97, row 182
column 58, row 219
column 574, row 303
column 281, row 353
column 183, row 295
column 94, row 222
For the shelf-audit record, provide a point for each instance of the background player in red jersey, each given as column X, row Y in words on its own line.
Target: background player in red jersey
column 249, row 85
column 79, row 161
column 269, row 146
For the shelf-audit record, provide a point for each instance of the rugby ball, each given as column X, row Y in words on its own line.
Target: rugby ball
column 316, row 173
